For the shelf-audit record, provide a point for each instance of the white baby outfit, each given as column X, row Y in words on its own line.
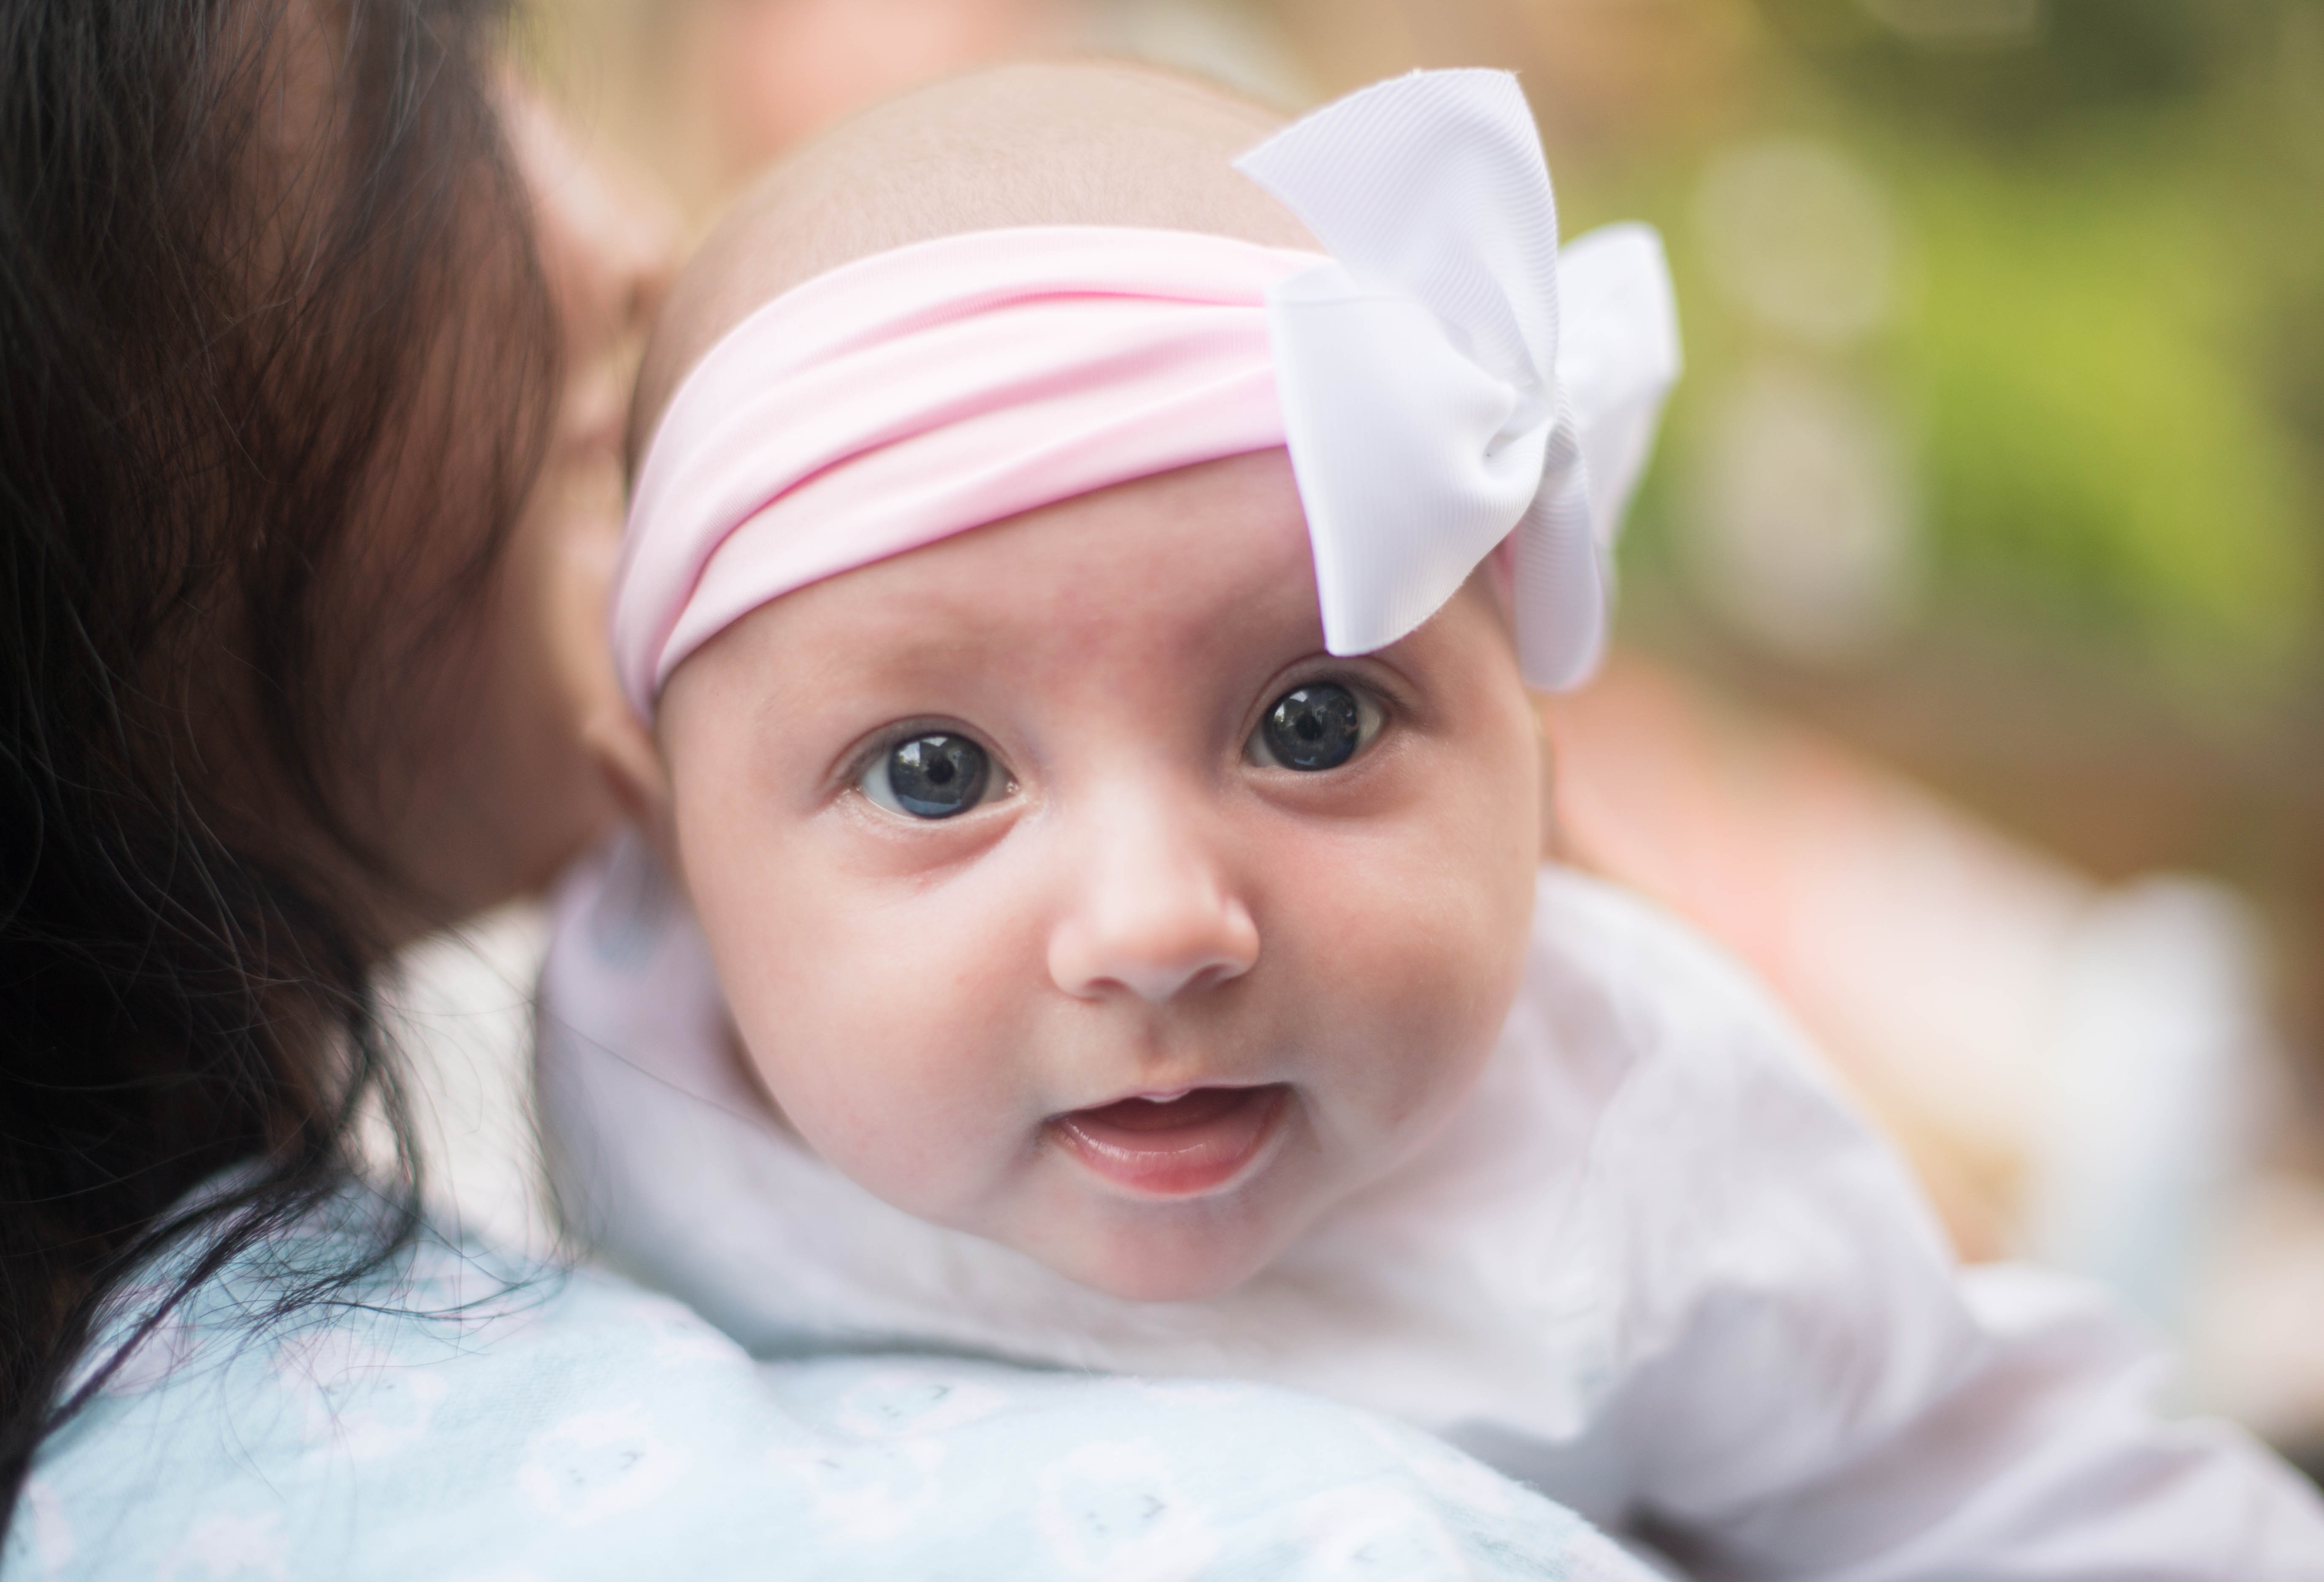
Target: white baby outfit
column 1656, row 1267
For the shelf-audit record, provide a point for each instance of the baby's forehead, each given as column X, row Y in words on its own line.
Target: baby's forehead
column 1077, row 143
column 1203, row 566
column 1173, row 600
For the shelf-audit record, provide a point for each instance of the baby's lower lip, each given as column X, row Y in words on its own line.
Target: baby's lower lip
column 1179, row 1147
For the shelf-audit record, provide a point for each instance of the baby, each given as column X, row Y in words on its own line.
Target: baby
column 1081, row 592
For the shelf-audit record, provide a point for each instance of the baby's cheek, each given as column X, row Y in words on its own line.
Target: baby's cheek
column 1424, row 967
column 882, row 1038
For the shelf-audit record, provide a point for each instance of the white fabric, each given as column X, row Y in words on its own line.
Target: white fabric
column 1428, row 406
column 1656, row 1268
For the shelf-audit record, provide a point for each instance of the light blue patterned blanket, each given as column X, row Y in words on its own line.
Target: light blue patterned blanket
column 451, row 1424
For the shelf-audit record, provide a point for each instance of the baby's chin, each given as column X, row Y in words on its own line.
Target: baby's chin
column 1162, row 1275
column 1183, row 1251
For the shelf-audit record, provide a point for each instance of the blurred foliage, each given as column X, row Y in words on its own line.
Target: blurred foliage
column 2098, row 448
column 2073, row 59
column 2114, row 342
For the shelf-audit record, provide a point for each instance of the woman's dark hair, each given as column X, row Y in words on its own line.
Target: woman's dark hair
column 257, row 260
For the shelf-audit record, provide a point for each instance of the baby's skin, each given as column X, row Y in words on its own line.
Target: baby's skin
column 1063, row 889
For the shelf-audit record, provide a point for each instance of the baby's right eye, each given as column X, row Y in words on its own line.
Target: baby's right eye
column 932, row 776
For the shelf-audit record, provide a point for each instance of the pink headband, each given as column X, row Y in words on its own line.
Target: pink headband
column 1417, row 375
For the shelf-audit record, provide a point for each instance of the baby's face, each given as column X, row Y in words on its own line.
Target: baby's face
column 1065, row 892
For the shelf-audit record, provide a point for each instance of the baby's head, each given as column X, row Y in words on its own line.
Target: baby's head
column 1066, row 888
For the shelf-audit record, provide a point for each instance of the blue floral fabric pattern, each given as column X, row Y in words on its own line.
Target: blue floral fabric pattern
column 452, row 1423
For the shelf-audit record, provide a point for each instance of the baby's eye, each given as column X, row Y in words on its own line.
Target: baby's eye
column 1319, row 726
column 933, row 775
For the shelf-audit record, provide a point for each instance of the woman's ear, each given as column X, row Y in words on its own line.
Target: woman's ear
column 628, row 760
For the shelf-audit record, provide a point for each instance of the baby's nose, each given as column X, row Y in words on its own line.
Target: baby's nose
column 1150, row 914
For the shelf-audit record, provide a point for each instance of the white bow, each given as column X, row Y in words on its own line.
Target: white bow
column 1431, row 403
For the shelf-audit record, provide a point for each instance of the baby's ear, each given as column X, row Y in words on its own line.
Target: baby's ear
column 622, row 747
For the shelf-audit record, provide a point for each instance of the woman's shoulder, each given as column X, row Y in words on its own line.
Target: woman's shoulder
column 261, row 1427
column 475, row 1416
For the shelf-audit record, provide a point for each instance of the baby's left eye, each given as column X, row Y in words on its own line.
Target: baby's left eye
column 1319, row 726
column 933, row 776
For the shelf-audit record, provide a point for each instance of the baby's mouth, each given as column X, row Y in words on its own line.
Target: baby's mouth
column 1177, row 1146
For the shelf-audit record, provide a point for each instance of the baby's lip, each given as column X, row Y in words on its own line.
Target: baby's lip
column 1181, row 1144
